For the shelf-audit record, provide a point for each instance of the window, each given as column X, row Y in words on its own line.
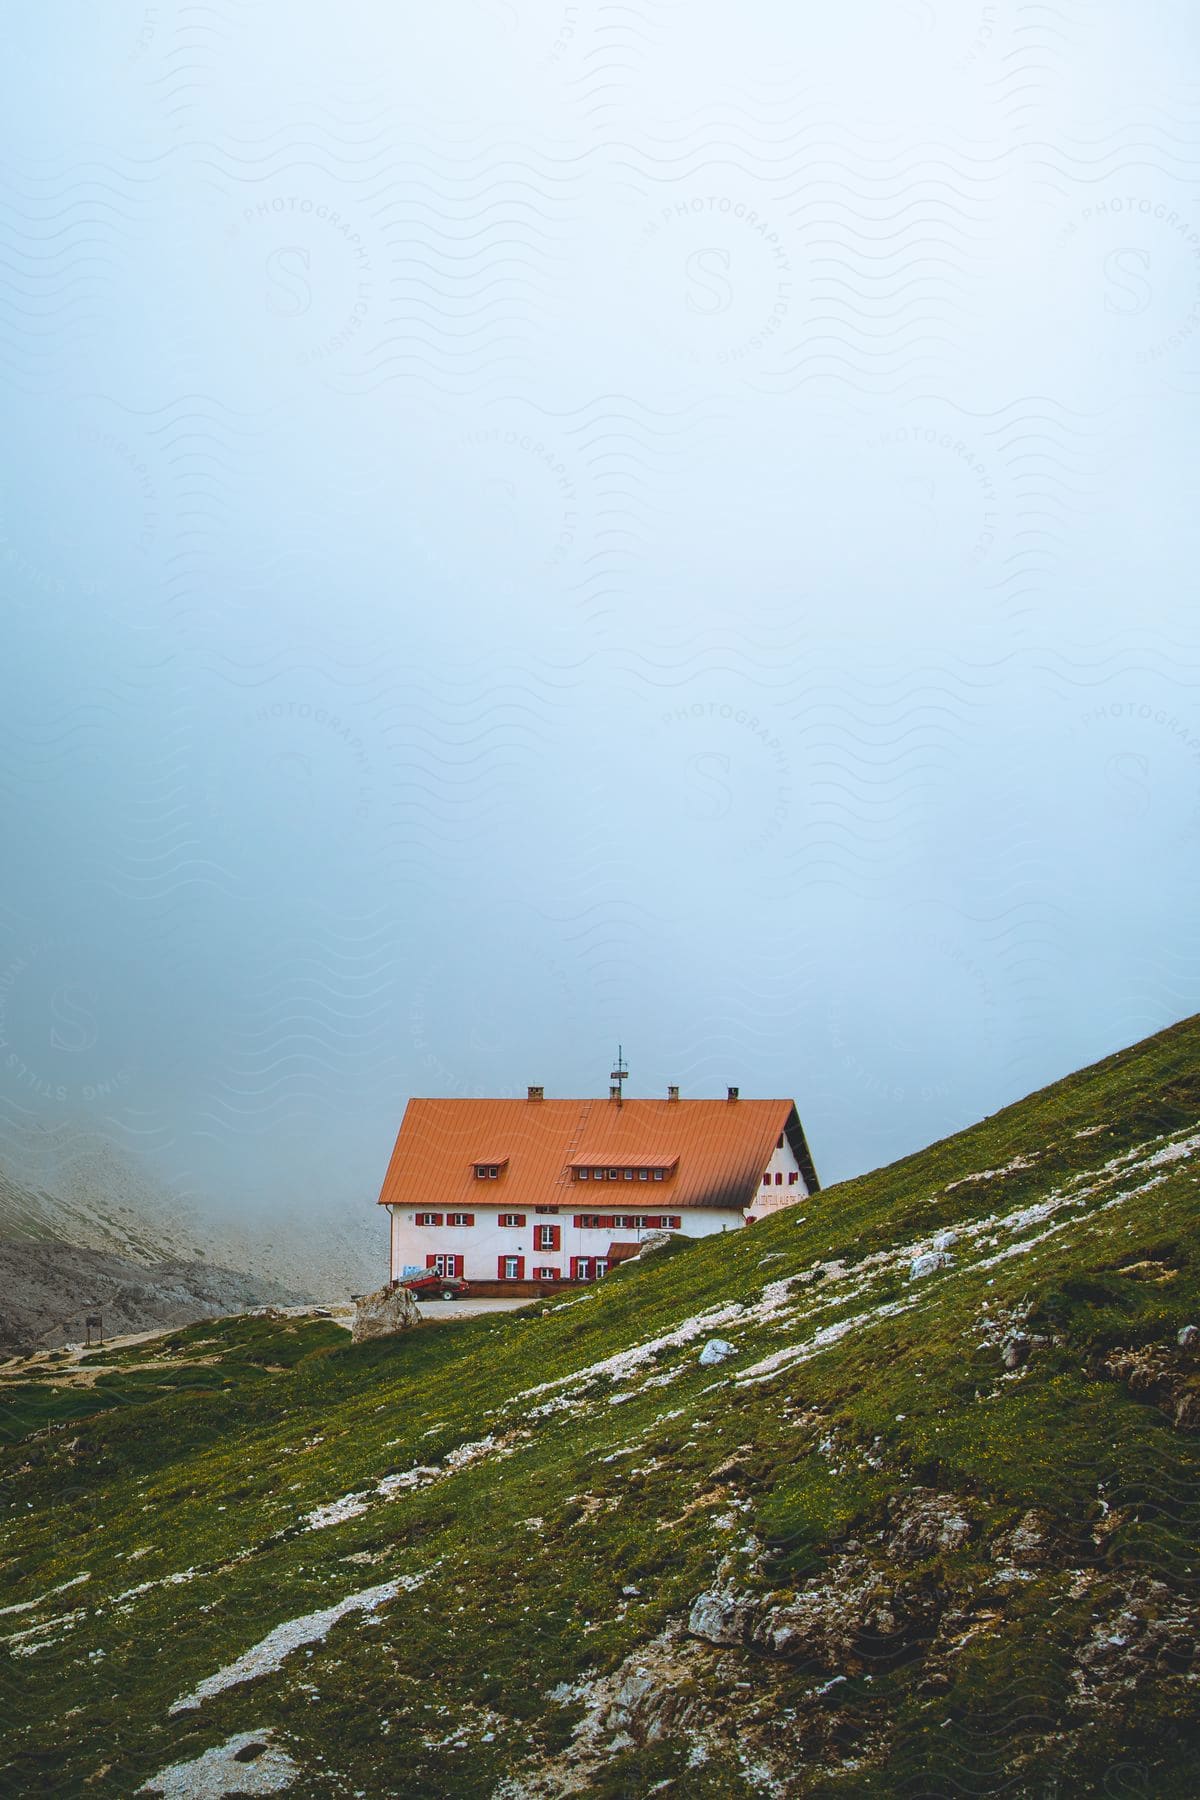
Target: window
column 779, row 1145
column 791, row 1178
column 460, row 1218
column 429, row 1218
column 512, row 1219
column 643, row 1174
column 614, row 1174
column 581, row 1268
column 658, row 1174
column 545, row 1209
column 445, row 1265
column 583, row 1174
column 546, row 1237
column 674, row 1222
column 546, row 1274
column 487, row 1171
column 601, row 1266
column 767, row 1179
column 779, row 1178
column 511, row 1268
column 629, row 1174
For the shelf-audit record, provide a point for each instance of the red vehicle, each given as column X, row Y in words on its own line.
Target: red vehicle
column 429, row 1285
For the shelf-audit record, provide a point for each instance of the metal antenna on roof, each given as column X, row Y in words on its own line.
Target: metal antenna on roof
column 617, row 1078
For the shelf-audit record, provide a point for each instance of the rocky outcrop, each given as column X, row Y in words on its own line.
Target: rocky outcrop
column 1147, row 1633
column 1030, row 1544
column 383, row 1313
column 1167, row 1377
column 922, row 1523
column 855, row 1614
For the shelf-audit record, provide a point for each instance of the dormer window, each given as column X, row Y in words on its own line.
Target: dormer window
column 491, row 1170
column 642, row 1168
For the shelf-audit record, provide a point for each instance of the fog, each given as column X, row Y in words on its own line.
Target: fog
column 535, row 526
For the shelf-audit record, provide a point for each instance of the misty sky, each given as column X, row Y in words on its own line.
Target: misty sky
column 534, row 525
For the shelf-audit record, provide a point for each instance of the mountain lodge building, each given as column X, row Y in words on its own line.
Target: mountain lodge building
column 542, row 1191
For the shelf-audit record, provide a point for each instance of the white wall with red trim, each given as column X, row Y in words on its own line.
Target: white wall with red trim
column 782, row 1183
column 481, row 1249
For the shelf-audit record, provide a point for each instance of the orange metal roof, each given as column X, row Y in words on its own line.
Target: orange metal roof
column 586, row 1159
column 722, row 1148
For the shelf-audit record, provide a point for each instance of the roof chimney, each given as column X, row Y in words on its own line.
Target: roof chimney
column 536, row 1093
column 732, row 1094
column 672, row 1093
column 614, row 1092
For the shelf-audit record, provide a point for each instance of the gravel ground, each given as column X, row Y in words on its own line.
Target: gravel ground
column 464, row 1309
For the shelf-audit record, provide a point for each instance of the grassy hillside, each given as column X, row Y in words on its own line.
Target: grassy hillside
column 919, row 1534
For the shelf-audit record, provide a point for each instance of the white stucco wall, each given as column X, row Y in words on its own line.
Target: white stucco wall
column 782, row 1193
column 482, row 1244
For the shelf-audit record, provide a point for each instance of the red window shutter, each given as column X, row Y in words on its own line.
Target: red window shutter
column 437, row 1219
column 555, row 1237
column 468, row 1218
column 457, row 1265
column 578, row 1220
column 430, row 1260
column 653, row 1223
column 520, row 1268
column 500, row 1261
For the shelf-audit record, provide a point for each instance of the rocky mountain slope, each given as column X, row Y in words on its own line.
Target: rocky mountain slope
column 895, row 1493
column 87, row 1230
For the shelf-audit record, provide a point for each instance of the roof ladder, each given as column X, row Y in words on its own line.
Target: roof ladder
column 564, row 1176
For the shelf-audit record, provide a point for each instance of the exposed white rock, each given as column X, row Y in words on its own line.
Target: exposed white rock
column 271, row 1652
column 246, row 1764
column 715, row 1351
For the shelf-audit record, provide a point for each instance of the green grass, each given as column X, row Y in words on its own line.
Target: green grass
column 205, row 1469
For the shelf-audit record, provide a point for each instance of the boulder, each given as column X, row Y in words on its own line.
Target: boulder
column 715, row 1351
column 1015, row 1350
column 653, row 1240
column 1188, row 1337
column 945, row 1240
column 383, row 1313
column 926, row 1264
